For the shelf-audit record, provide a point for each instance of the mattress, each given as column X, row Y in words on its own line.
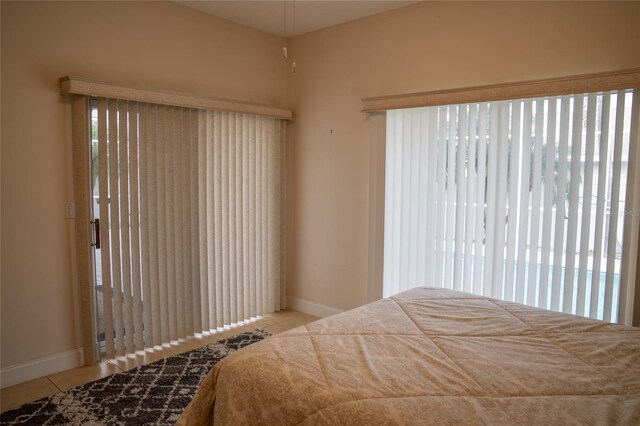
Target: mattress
column 430, row 356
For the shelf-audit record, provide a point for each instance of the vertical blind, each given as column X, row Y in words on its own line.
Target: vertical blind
column 192, row 220
column 522, row 200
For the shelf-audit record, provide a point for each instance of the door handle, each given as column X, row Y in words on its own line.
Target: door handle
column 96, row 229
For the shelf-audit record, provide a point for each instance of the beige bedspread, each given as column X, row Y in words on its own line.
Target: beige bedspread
column 431, row 356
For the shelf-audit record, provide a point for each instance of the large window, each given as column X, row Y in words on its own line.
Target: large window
column 522, row 200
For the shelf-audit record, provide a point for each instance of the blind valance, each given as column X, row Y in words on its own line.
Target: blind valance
column 616, row 80
column 83, row 86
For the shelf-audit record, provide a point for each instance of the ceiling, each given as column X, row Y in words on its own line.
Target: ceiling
column 310, row 15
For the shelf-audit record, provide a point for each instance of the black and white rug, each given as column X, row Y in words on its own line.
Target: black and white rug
column 153, row 394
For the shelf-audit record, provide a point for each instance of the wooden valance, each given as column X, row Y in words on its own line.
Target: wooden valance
column 83, row 86
column 616, row 80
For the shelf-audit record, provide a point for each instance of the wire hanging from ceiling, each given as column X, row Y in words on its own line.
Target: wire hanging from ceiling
column 285, row 52
column 284, row 29
column 293, row 64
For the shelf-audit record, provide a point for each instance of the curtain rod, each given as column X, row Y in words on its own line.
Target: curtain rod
column 83, row 86
column 615, row 80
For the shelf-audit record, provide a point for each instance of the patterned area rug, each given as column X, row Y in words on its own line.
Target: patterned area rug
column 152, row 394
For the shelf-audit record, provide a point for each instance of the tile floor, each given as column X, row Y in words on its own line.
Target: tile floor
column 14, row 396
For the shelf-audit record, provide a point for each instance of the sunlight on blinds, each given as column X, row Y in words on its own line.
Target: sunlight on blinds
column 192, row 220
column 522, row 200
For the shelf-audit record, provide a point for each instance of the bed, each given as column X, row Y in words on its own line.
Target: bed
column 431, row 356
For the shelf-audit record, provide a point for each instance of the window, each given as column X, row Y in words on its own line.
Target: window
column 522, row 199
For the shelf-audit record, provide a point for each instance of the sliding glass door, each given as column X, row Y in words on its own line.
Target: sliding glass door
column 188, row 214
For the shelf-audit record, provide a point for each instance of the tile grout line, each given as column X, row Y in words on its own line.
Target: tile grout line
column 54, row 385
column 120, row 370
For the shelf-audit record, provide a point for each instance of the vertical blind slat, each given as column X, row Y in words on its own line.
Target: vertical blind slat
column 153, row 217
column 414, row 173
column 432, row 187
column 170, row 232
column 492, row 168
column 478, row 267
column 283, row 214
column 258, row 216
column 615, row 201
column 265, row 219
column 145, row 185
column 390, row 212
column 264, row 223
column 272, row 208
column 187, row 255
column 451, row 192
column 178, row 191
column 534, row 223
column 105, row 250
column 253, row 271
column 135, row 226
column 163, row 260
column 404, row 251
column 205, row 222
column 501, row 188
column 196, row 274
column 216, row 294
column 556, row 283
column 398, row 222
column 440, row 190
column 231, row 208
column 239, row 218
column 114, row 197
column 145, row 258
column 422, row 185
column 512, row 196
column 470, row 201
column 225, row 218
column 603, row 165
column 275, row 212
column 246, row 247
column 125, row 243
column 586, row 205
column 461, row 152
column 410, row 238
column 574, row 188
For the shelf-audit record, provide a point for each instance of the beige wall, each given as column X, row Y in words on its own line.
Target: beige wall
column 159, row 45
column 163, row 45
column 427, row 46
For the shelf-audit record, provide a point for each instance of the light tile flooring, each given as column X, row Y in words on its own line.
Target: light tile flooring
column 14, row 396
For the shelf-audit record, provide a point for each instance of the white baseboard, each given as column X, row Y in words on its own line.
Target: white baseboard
column 311, row 308
column 40, row 367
